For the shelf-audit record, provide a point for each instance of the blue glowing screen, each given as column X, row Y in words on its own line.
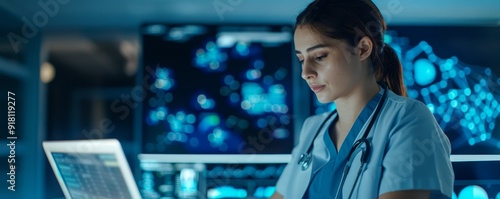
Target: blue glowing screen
column 476, row 180
column 186, row 180
column 454, row 71
column 217, row 90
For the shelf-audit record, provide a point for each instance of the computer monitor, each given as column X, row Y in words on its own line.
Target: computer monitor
column 218, row 89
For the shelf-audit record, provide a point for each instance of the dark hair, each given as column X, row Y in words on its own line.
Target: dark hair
column 351, row 20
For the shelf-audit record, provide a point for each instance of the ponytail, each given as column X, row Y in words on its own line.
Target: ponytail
column 390, row 70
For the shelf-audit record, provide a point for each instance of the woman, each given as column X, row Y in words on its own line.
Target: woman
column 340, row 45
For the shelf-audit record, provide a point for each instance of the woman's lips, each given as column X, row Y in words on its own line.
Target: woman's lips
column 317, row 88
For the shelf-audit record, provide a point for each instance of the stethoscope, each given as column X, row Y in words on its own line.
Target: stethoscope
column 306, row 158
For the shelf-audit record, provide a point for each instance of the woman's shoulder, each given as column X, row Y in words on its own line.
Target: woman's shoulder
column 408, row 113
column 406, row 105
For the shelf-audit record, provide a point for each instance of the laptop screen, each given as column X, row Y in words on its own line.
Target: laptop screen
column 91, row 169
column 89, row 175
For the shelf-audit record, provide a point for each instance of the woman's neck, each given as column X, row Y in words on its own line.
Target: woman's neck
column 351, row 105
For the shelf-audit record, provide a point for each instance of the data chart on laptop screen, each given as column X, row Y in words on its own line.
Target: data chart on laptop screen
column 454, row 71
column 217, row 89
column 91, row 175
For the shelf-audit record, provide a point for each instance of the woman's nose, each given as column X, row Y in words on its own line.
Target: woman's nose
column 307, row 71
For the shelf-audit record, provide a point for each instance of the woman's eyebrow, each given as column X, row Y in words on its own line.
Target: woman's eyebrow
column 312, row 48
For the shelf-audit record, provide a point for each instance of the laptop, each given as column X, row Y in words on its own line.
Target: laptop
column 91, row 169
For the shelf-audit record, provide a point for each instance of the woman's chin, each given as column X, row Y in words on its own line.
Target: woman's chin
column 323, row 99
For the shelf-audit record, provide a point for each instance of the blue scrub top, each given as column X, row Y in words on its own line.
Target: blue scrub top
column 331, row 173
column 409, row 151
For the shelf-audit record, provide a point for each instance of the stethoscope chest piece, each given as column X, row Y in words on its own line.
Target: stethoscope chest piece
column 305, row 161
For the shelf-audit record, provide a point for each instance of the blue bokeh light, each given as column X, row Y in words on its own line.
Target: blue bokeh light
column 217, row 137
column 234, row 97
column 253, row 74
column 164, row 79
column 204, row 102
column 264, row 192
column 242, row 49
column 473, row 192
column 226, row 192
column 258, row 64
column 425, row 73
column 280, row 133
column 210, row 58
column 256, row 101
column 209, row 121
column 280, row 73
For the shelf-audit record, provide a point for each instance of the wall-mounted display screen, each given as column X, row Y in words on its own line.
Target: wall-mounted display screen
column 217, row 89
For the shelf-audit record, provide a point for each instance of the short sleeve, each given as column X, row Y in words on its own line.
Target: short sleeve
column 417, row 155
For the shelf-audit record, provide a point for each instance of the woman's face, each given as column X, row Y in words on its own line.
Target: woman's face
column 330, row 67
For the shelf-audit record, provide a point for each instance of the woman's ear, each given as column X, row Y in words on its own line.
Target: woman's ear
column 365, row 47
